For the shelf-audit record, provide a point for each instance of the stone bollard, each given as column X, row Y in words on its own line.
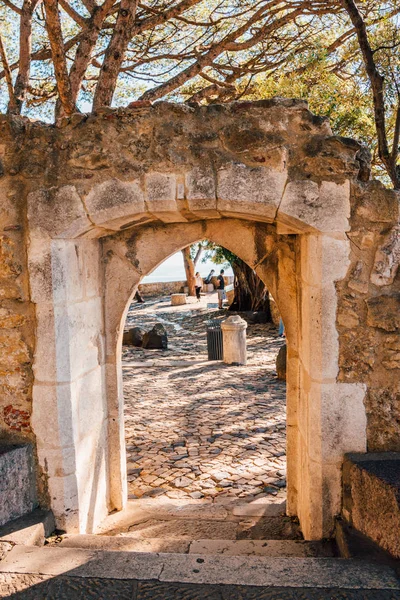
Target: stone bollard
column 234, row 338
column 178, row 299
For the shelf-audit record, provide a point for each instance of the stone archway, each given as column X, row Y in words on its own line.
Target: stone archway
column 86, row 469
column 88, row 250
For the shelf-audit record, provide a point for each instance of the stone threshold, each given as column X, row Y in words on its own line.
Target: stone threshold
column 201, row 569
column 270, row 548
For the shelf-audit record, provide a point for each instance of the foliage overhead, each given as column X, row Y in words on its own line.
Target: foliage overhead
column 69, row 55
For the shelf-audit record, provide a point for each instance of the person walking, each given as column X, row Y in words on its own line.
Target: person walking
column 198, row 284
column 221, row 289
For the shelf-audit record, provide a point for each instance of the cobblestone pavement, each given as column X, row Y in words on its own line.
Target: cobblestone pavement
column 199, row 429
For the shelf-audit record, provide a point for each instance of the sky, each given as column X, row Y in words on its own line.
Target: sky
column 172, row 269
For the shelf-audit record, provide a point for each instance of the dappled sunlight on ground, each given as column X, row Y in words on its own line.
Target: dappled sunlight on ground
column 199, row 429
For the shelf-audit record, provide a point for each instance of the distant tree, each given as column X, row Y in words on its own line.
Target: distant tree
column 250, row 292
column 191, row 255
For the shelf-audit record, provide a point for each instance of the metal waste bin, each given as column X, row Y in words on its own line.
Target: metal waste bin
column 214, row 340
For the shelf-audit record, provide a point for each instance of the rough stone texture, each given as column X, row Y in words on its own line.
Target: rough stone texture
column 371, row 497
column 368, row 311
column 281, row 363
column 29, row 530
column 156, row 338
column 150, row 170
column 178, row 299
column 134, row 336
column 17, row 482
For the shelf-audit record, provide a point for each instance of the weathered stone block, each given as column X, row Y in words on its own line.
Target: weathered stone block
column 376, row 204
column 156, row 338
column 115, row 203
column 17, row 482
column 310, row 206
column 160, row 192
column 58, row 212
column 383, row 409
column 178, row 299
column 337, row 422
column 387, row 259
column 134, row 336
column 251, row 191
column 384, row 312
column 371, row 497
column 201, row 193
column 281, row 363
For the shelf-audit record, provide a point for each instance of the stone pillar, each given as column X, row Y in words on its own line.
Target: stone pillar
column 234, row 337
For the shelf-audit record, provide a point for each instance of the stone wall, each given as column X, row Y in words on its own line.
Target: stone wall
column 17, row 317
column 368, row 316
column 162, row 288
column 323, row 237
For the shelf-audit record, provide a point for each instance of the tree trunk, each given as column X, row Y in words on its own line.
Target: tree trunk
column 250, row 292
column 54, row 31
column 3, row 58
column 86, row 46
column 115, row 54
column 25, row 49
column 189, row 270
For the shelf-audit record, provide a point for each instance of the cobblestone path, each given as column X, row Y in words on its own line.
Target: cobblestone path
column 198, row 429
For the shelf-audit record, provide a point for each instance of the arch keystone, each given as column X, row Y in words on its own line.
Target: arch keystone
column 161, row 192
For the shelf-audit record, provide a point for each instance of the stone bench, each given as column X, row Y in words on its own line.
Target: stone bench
column 17, row 483
column 178, row 299
column 371, row 497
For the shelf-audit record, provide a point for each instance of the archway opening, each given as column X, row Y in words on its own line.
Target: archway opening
column 197, row 430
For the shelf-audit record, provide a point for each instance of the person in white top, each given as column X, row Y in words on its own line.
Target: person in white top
column 198, row 284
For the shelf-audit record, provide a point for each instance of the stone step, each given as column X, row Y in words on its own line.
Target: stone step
column 81, row 567
column 273, row 548
column 264, row 528
column 29, row 530
column 137, row 511
column 371, row 480
column 196, row 519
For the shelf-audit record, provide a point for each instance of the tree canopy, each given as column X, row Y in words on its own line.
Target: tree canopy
column 79, row 55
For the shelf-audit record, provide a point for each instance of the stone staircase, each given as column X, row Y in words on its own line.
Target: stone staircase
column 198, row 527
column 194, row 550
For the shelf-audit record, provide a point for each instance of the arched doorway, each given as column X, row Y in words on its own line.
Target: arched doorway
column 197, row 429
column 87, row 252
column 114, row 266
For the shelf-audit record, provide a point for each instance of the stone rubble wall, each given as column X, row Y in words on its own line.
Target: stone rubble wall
column 266, row 161
column 17, row 316
column 164, row 288
column 368, row 317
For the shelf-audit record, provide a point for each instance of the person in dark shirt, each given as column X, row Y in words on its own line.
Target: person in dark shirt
column 221, row 288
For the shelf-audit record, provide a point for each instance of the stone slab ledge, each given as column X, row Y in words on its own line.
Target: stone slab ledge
column 201, row 569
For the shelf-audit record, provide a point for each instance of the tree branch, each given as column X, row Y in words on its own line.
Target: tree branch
column 54, row 31
column 115, row 54
column 377, row 84
column 3, row 55
column 25, row 48
column 75, row 16
column 86, row 46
